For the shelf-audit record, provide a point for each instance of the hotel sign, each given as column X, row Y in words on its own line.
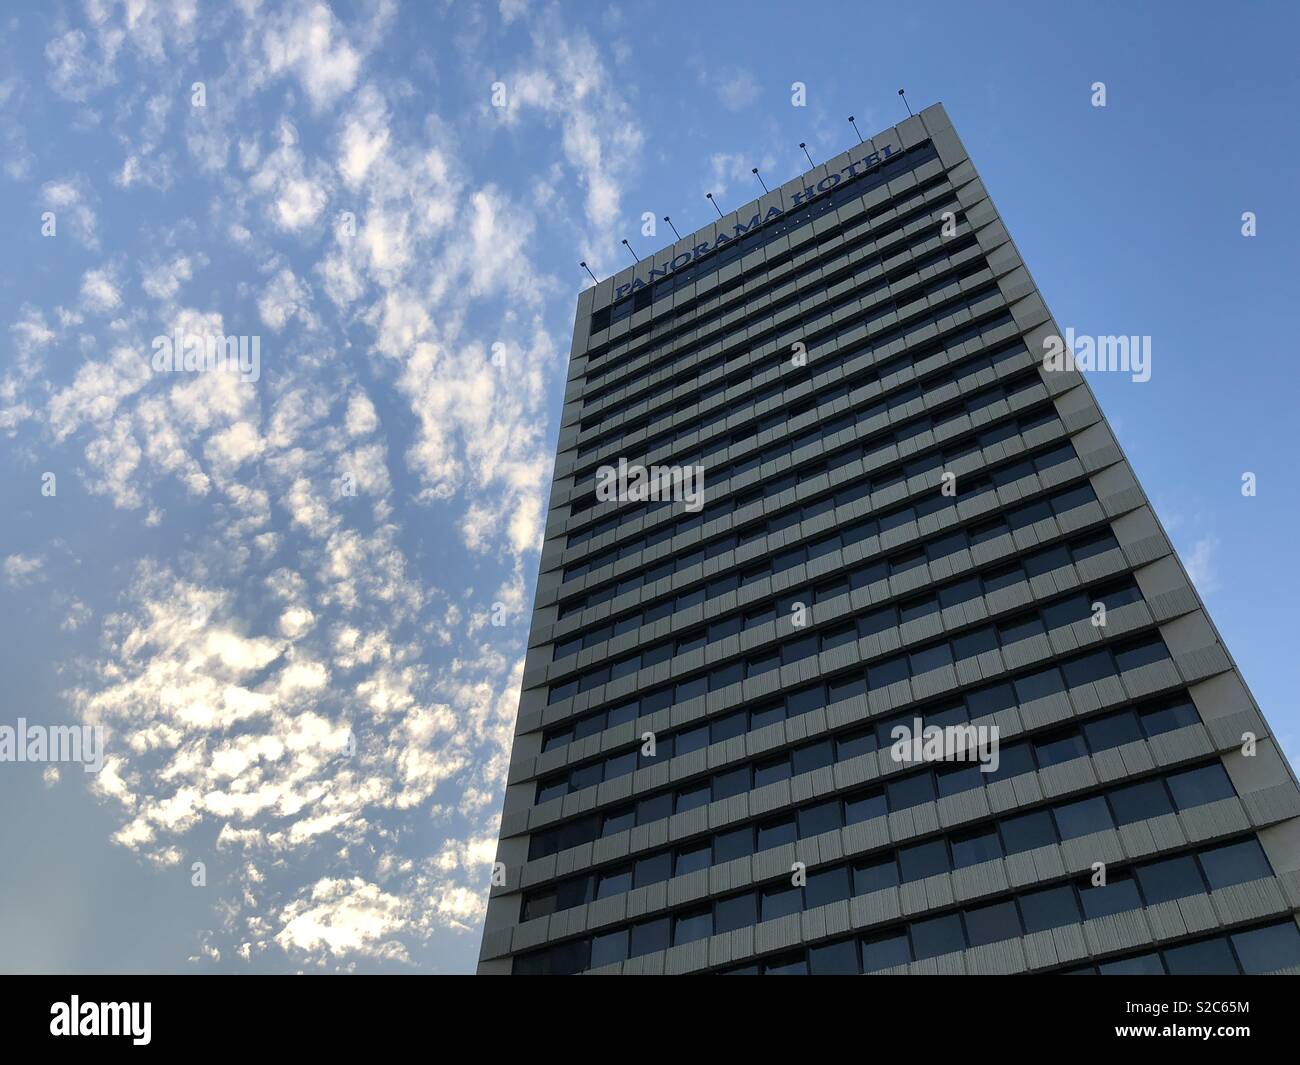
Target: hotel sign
column 799, row 199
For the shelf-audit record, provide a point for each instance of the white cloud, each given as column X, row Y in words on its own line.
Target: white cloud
column 23, row 570
column 1201, row 564
column 99, row 293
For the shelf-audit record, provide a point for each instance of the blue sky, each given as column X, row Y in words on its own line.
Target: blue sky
column 277, row 596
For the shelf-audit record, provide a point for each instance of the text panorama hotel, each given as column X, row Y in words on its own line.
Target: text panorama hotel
column 916, row 683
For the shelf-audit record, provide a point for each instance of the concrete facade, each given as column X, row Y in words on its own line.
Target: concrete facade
column 614, row 861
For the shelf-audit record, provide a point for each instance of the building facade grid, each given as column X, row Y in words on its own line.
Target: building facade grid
column 831, row 355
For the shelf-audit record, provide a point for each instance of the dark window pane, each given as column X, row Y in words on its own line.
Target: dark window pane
column 1167, row 718
column 911, row 791
column 655, row 808
column 1028, row 831
column 885, row 951
column 609, row 948
column 654, row 868
column 781, row 902
column 1082, row 818
column 1266, row 950
column 1195, row 787
column 1137, row 802
column 1089, row 668
column 738, row 843
column 865, row 807
column 649, row 936
column 1235, row 863
column 777, row 833
column 1211, row 957
column 923, row 859
column 824, row 817
column 693, row 859
column 1143, row 654
column 1171, row 878
column 1052, row 750
column 875, row 875
column 988, row 924
column 1119, row 894
column 938, row 935
column 738, row 912
column 1113, row 730
column 830, row 885
column 815, row 756
column 1049, row 908
column 1142, row 965
column 733, row 782
column 614, row 882
column 688, row 927
column 971, row 848
column 835, row 959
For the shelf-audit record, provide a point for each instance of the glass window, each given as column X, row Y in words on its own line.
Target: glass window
column 1028, row 831
column 1209, row 957
column 614, row 882
column 1013, row 760
column 654, row 808
column 1235, row 863
column 1167, row 718
column 1194, row 787
column 738, row 843
column 1266, row 950
column 830, row 885
column 937, row 935
column 931, row 658
column 1137, row 802
column 609, row 948
column 1113, row 730
column 781, row 902
column 1039, row 685
column 1142, row 654
column 1171, row 878
column 1082, row 818
column 772, row 772
column 1142, row 965
column 654, row 868
column 835, row 959
column 817, row 755
column 692, row 925
column 1089, row 668
column 911, row 791
column 693, row 859
column 971, row 848
column 865, row 807
column 890, row 671
column 1049, row 908
column 649, row 936
column 618, row 821
column 923, row 859
column 740, row 911
column 955, row 779
column 988, row 924
column 824, row 817
column 1119, row 894
column 885, row 950
column 733, row 782
column 777, row 833
column 1063, row 747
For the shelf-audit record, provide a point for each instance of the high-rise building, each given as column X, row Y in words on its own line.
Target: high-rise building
column 909, row 524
